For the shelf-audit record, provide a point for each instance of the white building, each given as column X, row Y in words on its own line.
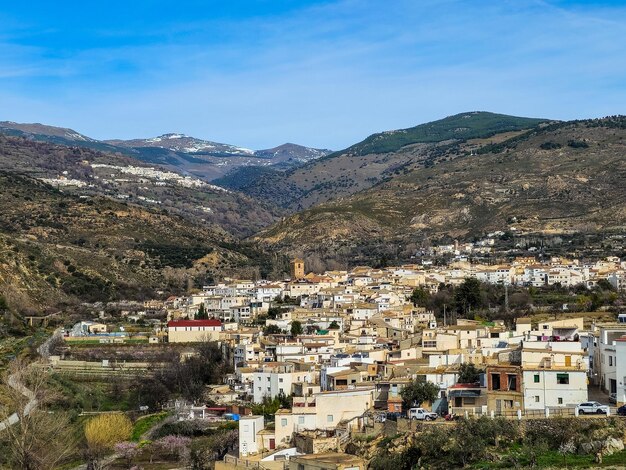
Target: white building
column 553, row 388
column 249, row 427
column 274, row 379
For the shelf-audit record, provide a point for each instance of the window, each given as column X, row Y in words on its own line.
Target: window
column 280, row 380
column 300, row 419
column 560, row 401
column 562, row 379
column 283, row 422
column 536, row 378
column 300, row 466
column 329, row 418
column 610, row 360
column 512, row 382
column 495, row 381
column 536, row 398
column 246, row 428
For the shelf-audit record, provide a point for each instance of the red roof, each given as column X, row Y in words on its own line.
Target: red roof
column 173, row 323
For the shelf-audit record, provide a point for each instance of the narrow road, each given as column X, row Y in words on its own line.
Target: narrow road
column 44, row 351
column 28, row 408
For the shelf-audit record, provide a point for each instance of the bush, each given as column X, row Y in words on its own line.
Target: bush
column 578, row 144
column 104, row 431
column 550, row 146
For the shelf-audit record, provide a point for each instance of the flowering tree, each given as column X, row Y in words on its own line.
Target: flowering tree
column 127, row 450
column 173, row 447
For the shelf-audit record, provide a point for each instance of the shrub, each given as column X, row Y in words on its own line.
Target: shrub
column 578, row 144
column 550, row 146
column 104, row 431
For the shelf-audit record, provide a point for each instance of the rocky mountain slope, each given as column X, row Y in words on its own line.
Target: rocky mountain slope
column 202, row 158
column 183, row 143
column 88, row 172
column 559, row 178
column 377, row 158
column 58, row 248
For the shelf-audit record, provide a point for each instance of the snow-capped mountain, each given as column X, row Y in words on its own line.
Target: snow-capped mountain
column 293, row 152
column 184, row 143
column 203, row 158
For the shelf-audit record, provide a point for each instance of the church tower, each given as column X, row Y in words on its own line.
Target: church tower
column 297, row 268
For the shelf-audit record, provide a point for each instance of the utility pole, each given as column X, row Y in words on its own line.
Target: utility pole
column 506, row 297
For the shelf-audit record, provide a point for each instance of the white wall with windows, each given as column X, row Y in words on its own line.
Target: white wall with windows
column 554, row 388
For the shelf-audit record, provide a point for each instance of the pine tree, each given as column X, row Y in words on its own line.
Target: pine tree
column 202, row 313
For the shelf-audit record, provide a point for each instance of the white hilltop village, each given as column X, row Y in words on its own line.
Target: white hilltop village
column 338, row 348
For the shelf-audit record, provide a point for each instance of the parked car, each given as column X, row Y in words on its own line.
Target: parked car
column 621, row 411
column 380, row 417
column 613, row 398
column 421, row 413
column 592, row 407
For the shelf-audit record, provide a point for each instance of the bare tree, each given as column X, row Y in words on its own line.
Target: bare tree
column 36, row 438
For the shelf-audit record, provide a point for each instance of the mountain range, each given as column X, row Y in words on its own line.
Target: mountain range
column 463, row 177
column 376, row 159
column 564, row 181
column 202, row 158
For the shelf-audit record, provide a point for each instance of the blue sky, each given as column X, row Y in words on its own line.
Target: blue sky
column 319, row 73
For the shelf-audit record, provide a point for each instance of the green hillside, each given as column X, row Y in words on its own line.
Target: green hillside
column 472, row 125
column 376, row 159
column 558, row 180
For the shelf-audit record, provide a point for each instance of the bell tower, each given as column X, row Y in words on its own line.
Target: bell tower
column 297, row 268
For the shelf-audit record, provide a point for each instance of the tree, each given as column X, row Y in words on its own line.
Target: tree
column 419, row 297
column 269, row 406
column 296, row 328
column 602, row 284
column 151, row 392
column 333, row 325
column 272, row 330
column 103, row 432
column 173, row 447
column 468, row 374
column 418, row 392
column 312, row 329
column 468, row 295
column 202, row 313
column 41, row 438
column 128, row 451
column 206, row 451
column 189, row 378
